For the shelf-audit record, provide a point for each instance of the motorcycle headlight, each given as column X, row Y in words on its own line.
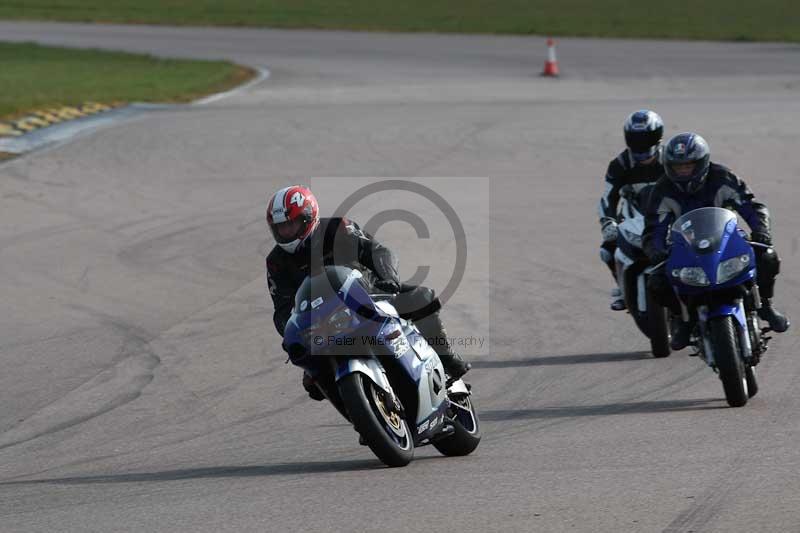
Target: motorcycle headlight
column 691, row 276
column 634, row 239
column 309, row 334
column 341, row 319
column 730, row 268
column 393, row 338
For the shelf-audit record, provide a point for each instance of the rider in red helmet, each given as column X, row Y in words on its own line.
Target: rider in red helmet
column 292, row 215
column 302, row 238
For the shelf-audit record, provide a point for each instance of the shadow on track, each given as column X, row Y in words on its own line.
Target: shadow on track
column 578, row 359
column 278, row 469
column 664, row 406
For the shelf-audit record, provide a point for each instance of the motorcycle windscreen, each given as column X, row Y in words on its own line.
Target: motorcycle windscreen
column 704, row 229
column 324, row 292
column 334, row 315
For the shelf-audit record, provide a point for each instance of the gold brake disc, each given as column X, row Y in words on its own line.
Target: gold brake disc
column 392, row 417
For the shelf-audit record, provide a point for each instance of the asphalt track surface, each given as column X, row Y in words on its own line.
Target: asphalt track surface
column 143, row 387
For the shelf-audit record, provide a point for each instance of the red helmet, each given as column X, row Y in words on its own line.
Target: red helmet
column 292, row 215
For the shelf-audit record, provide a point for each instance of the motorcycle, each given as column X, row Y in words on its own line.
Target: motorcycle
column 712, row 269
column 377, row 369
column 633, row 270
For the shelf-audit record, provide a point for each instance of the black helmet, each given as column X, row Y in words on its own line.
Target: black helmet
column 644, row 130
column 686, row 161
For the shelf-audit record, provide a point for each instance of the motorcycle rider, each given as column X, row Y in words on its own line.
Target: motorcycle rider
column 692, row 181
column 638, row 165
column 305, row 241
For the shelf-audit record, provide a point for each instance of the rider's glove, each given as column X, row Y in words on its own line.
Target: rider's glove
column 761, row 236
column 388, row 286
column 609, row 231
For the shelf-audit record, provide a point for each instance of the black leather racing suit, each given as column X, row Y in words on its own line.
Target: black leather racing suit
column 622, row 171
column 722, row 188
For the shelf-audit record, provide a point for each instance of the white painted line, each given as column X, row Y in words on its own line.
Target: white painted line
column 263, row 74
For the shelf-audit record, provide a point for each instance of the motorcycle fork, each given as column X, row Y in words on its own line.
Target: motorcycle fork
column 748, row 355
column 758, row 339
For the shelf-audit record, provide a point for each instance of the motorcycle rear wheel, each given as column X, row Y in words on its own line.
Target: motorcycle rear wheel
column 658, row 328
column 467, row 429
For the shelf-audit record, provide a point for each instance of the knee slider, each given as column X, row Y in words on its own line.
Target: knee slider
column 660, row 288
column 768, row 262
column 423, row 302
column 658, row 284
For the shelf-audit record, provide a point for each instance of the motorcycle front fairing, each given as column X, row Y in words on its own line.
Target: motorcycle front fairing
column 421, row 364
column 709, row 253
column 709, row 261
column 329, row 315
column 631, row 261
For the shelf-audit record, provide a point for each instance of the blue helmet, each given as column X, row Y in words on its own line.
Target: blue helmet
column 644, row 130
column 686, row 161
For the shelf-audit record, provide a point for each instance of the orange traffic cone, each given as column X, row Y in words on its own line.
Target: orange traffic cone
column 551, row 65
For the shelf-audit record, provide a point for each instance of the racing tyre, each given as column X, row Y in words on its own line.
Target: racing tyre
column 382, row 426
column 658, row 327
column 467, row 431
column 725, row 343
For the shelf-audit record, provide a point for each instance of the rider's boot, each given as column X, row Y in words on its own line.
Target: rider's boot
column 681, row 334
column 433, row 330
column 617, row 301
column 310, row 385
column 776, row 320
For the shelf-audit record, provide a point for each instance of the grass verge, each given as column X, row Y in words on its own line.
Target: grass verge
column 35, row 77
column 775, row 20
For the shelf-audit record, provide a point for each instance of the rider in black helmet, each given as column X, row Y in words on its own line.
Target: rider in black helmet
column 638, row 165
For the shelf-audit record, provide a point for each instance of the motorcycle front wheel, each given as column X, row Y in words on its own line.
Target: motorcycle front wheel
column 381, row 425
column 752, row 383
column 725, row 343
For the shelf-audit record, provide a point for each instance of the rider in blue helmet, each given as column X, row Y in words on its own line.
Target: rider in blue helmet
column 691, row 180
column 636, row 166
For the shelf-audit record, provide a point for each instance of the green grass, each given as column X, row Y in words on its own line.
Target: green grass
column 777, row 20
column 33, row 77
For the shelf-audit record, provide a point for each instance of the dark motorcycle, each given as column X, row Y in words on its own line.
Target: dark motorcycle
column 633, row 270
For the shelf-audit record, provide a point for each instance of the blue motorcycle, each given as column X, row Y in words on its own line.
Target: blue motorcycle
column 712, row 269
column 377, row 369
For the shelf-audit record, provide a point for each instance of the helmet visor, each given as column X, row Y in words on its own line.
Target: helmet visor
column 644, row 155
column 643, row 141
column 683, row 171
column 291, row 230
